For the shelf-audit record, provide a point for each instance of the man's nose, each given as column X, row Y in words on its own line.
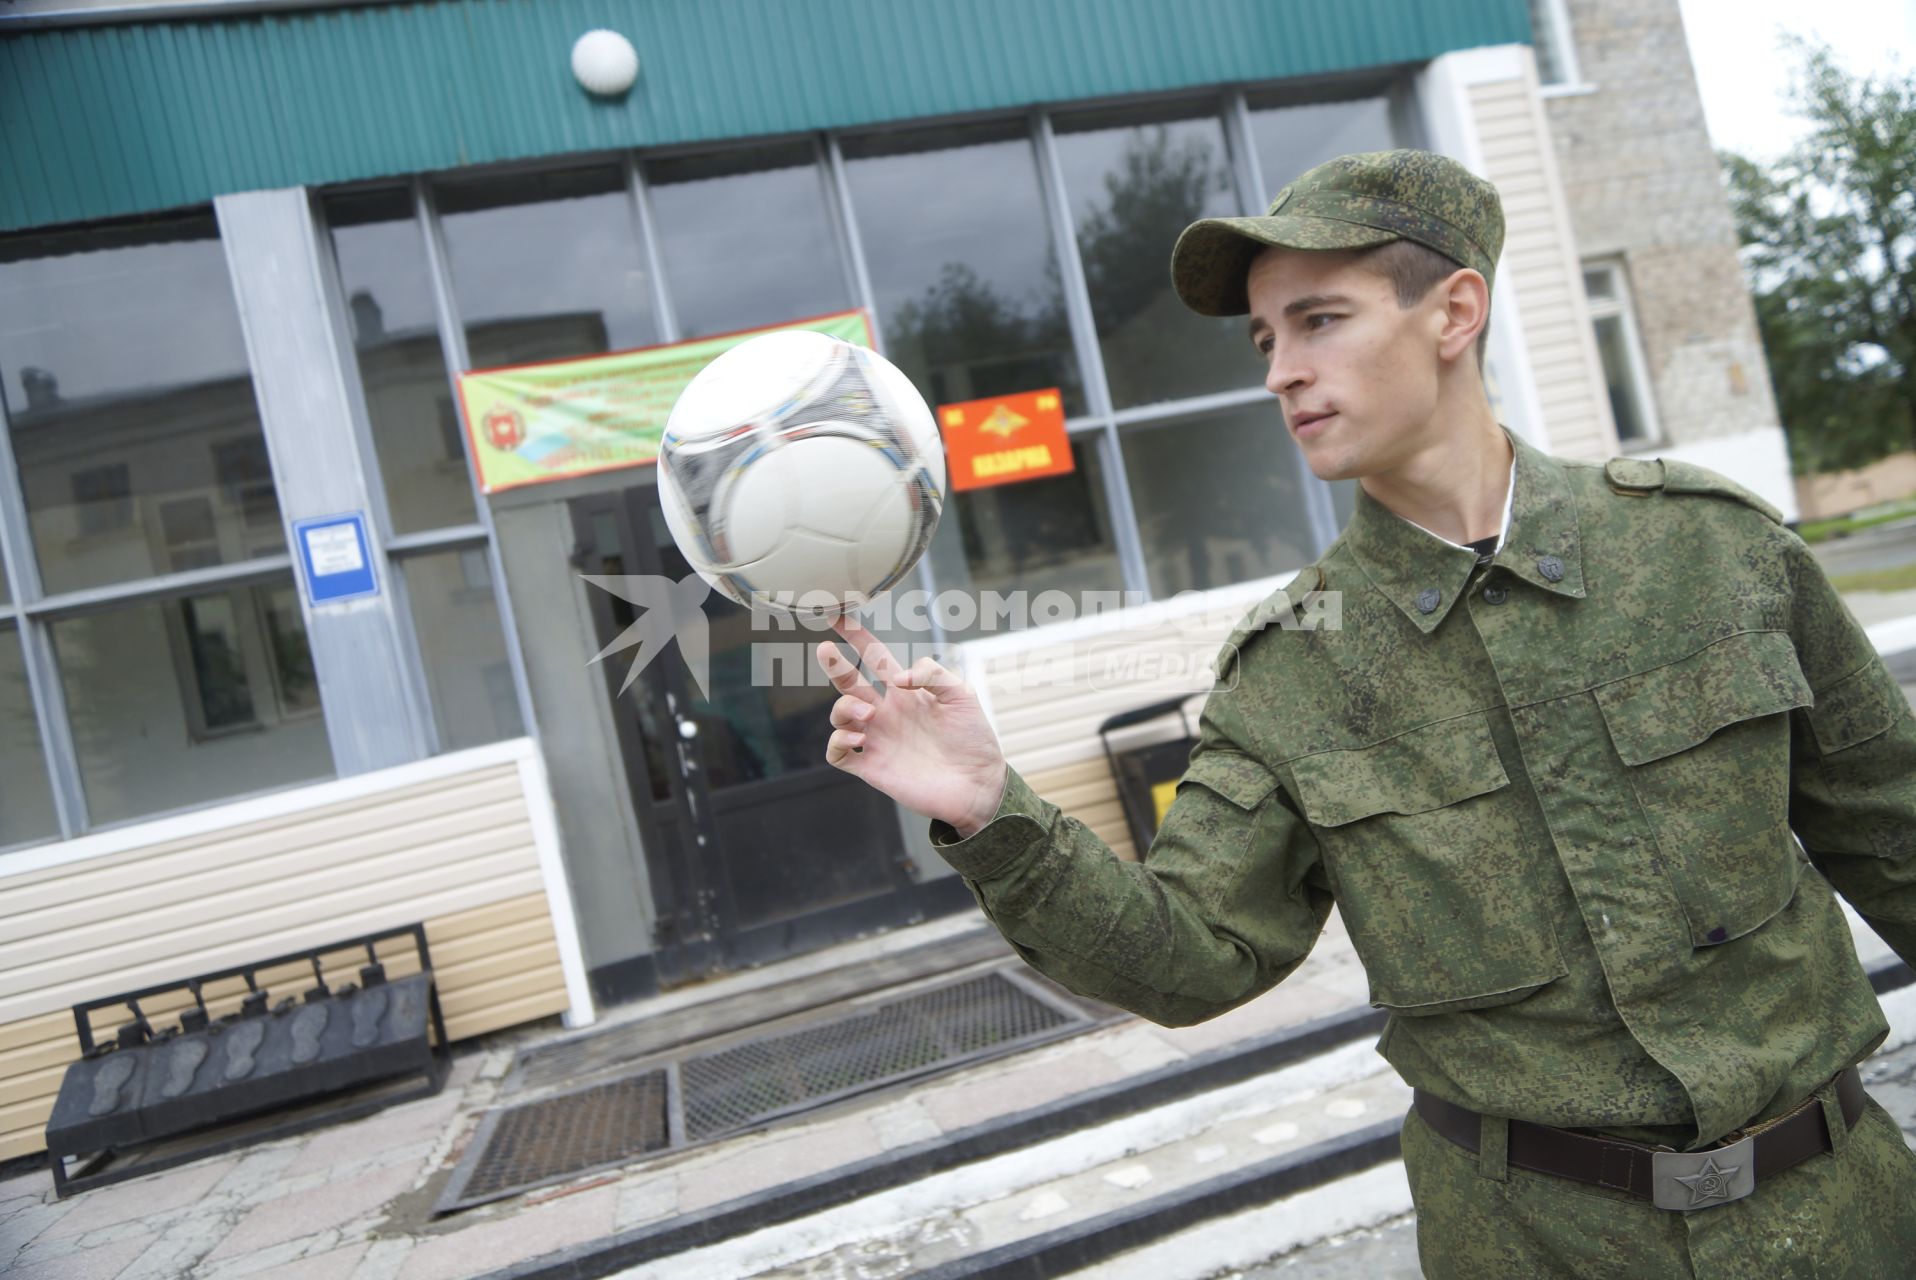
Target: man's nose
column 1285, row 374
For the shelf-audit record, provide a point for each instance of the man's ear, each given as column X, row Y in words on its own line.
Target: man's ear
column 1465, row 298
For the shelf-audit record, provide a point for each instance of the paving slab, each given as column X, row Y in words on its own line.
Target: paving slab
column 541, row 1229
column 75, row 1263
column 304, row 1213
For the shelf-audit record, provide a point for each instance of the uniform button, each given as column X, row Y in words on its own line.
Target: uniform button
column 1551, row 568
column 1496, row 595
column 1427, row 600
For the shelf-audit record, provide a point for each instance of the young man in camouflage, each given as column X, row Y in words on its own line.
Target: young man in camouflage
column 1548, row 769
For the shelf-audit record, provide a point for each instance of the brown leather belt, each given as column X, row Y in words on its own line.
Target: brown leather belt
column 1681, row 1180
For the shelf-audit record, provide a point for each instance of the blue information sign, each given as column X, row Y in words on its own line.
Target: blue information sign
column 337, row 560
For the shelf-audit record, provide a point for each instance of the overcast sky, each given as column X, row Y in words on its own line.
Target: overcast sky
column 1742, row 72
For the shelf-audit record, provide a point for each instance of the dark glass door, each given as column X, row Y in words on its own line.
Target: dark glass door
column 756, row 847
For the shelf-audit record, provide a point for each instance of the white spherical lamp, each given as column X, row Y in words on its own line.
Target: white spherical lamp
column 605, row 63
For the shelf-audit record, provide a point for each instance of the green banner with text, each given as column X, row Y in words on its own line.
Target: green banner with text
column 532, row 423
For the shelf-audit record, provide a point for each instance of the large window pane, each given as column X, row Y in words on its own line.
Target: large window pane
column 547, row 265
column 1219, row 499
column 1052, row 534
column 26, row 802
column 131, row 405
column 956, row 242
column 456, row 618
column 746, row 239
column 1135, row 182
column 1291, row 137
column 190, row 700
column 1619, row 376
column 395, row 332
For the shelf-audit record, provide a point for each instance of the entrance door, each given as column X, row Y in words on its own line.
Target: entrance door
column 756, row 848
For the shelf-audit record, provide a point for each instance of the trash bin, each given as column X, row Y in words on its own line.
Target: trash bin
column 1147, row 775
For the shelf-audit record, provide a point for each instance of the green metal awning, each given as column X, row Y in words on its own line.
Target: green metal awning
column 120, row 118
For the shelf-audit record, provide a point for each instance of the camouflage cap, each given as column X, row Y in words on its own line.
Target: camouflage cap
column 1352, row 202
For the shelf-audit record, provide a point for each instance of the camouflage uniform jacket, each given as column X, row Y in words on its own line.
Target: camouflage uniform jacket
column 1553, row 798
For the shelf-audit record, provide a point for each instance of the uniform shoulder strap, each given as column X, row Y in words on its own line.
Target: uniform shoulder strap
column 1273, row 610
column 1640, row 477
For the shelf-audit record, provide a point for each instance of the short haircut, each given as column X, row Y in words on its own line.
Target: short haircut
column 1414, row 270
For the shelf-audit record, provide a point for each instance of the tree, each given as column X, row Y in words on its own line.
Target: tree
column 1829, row 236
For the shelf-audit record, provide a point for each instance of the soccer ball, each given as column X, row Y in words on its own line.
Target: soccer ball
column 802, row 474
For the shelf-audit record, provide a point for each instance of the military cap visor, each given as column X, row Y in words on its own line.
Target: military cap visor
column 1352, row 202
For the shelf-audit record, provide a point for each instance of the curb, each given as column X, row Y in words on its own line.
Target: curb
column 1083, row 1244
column 796, row 1199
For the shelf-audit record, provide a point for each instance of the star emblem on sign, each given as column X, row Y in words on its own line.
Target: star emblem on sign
column 1710, row 1182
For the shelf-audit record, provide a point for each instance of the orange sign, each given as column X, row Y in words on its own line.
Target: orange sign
column 1005, row 439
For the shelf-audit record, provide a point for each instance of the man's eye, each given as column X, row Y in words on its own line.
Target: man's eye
column 1311, row 322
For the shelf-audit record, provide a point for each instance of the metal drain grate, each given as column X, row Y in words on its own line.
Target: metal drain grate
column 722, row 1091
column 761, row 1079
column 517, row 1148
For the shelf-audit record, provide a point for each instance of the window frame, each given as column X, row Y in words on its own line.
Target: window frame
column 1556, row 29
column 1622, row 308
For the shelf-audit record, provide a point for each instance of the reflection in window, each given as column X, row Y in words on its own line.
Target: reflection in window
column 1556, row 54
column 1135, row 182
column 1032, row 536
column 26, row 801
column 388, row 293
column 1626, row 374
column 128, row 393
column 547, row 265
column 748, row 731
column 726, row 267
column 462, row 647
column 1219, row 499
column 190, row 700
column 1291, row 137
column 967, row 286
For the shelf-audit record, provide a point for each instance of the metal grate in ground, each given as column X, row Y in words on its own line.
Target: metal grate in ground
column 518, row 1148
column 703, row 1096
column 761, row 1079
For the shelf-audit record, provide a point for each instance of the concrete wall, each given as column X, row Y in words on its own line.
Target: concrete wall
column 1837, row 493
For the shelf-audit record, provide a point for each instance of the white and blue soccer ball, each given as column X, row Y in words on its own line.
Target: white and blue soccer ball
column 801, row 473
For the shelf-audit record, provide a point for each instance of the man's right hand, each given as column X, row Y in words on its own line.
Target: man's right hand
column 925, row 742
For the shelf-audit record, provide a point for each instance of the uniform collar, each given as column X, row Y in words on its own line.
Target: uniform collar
column 1541, row 545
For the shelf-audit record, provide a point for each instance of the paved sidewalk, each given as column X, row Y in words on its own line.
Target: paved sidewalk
column 353, row 1202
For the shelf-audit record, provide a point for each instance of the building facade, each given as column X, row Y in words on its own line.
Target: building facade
column 1675, row 328
column 246, row 250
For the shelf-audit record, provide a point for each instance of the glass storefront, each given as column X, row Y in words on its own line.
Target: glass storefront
column 130, row 405
column 995, row 256
column 746, row 238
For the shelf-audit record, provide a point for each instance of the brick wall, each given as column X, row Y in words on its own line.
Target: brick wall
column 1643, row 185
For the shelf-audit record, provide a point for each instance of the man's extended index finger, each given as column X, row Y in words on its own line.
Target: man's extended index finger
column 875, row 653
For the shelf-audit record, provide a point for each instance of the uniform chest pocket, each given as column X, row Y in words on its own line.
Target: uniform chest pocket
column 1435, row 875
column 1705, row 742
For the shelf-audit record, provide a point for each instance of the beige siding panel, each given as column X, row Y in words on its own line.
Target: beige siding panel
column 1047, row 702
column 103, row 970
column 1090, row 797
column 392, row 814
column 495, row 966
column 1541, row 263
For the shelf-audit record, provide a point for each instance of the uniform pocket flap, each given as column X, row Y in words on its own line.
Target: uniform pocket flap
column 1427, row 768
column 1857, row 708
column 1674, row 707
column 1238, row 778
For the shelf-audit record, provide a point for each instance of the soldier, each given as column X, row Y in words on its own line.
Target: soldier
column 1548, row 769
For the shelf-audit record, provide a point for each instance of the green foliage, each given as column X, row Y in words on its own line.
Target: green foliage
column 1829, row 236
